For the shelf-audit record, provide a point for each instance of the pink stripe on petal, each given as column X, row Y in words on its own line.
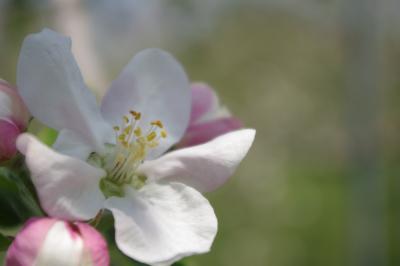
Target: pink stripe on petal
column 26, row 246
column 73, row 229
column 95, row 244
column 9, row 132
column 204, row 100
column 204, row 132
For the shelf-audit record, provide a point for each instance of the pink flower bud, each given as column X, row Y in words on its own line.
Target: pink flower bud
column 208, row 118
column 47, row 241
column 14, row 118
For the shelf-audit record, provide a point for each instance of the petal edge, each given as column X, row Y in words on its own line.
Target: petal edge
column 67, row 187
column 204, row 167
column 160, row 224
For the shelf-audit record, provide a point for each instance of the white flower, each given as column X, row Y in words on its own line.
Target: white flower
column 109, row 157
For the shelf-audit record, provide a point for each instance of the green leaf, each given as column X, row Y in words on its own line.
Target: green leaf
column 17, row 202
column 5, row 242
column 179, row 263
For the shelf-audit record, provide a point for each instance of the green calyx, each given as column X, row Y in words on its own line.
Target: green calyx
column 111, row 189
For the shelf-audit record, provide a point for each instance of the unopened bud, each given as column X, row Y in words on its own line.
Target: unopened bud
column 208, row 118
column 14, row 118
column 47, row 241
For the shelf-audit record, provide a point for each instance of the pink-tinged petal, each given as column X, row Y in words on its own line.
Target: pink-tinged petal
column 51, row 85
column 204, row 167
column 95, row 245
column 155, row 84
column 68, row 188
column 160, row 224
column 26, row 246
column 62, row 247
column 13, row 119
column 202, row 132
column 11, row 105
column 46, row 241
column 208, row 118
column 204, row 100
column 9, row 132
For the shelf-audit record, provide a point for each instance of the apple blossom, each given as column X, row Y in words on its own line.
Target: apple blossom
column 208, row 119
column 46, row 241
column 115, row 156
column 13, row 119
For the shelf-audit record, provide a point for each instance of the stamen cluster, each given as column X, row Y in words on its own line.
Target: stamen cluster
column 132, row 146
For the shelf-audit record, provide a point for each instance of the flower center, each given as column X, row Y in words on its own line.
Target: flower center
column 130, row 150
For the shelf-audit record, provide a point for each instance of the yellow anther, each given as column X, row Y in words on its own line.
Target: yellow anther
column 138, row 132
column 136, row 115
column 151, row 136
column 132, row 146
column 157, row 123
column 128, row 130
column 121, row 137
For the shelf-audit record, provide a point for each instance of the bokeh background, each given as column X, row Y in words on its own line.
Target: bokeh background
column 318, row 79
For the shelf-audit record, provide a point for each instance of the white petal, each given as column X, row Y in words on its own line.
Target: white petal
column 67, row 187
column 61, row 247
column 160, row 224
column 72, row 144
column 204, row 167
column 154, row 84
column 52, row 87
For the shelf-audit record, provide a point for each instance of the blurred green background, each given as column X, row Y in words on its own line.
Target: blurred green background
column 318, row 79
